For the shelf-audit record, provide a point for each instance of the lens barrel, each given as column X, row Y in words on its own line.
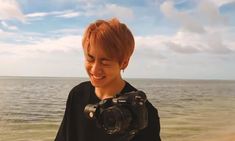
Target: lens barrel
column 115, row 119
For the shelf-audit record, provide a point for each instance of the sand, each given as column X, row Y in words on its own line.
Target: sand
column 224, row 137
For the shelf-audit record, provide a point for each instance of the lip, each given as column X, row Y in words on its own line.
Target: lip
column 97, row 78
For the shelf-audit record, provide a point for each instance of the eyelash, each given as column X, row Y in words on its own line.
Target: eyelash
column 106, row 64
column 90, row 60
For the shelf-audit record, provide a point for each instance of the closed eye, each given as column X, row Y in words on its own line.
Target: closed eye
column 106, row 62
column 89, row 58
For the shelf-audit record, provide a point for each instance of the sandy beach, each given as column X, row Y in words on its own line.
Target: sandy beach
column 229, row 136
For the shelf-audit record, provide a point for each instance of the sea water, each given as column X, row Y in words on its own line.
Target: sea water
column 31, row 108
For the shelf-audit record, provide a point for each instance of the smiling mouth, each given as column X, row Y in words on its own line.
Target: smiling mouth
column 97, row 77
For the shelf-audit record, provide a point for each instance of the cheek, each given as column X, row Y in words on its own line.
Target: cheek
column 87, row 66
column 114, row 70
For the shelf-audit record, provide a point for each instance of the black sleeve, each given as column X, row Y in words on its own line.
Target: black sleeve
column 62, row 134
column 152, row 131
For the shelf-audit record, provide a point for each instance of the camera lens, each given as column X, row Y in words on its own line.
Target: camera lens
column 115, row 119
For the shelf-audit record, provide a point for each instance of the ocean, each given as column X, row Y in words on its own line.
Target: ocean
column 31, row 108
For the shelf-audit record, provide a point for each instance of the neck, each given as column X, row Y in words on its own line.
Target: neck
column 110, row 90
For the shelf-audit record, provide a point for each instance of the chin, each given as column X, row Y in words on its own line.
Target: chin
column 97, row 83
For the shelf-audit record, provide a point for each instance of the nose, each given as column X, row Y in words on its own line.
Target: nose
column 96, row 68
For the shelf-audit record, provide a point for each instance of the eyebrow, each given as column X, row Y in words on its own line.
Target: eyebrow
column 102, row 59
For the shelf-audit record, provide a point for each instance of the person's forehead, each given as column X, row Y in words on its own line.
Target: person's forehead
column 98, row 51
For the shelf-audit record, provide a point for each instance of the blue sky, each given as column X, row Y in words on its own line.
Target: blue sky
column 188, row 39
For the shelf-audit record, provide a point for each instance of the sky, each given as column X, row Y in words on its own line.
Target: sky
column 175, row 39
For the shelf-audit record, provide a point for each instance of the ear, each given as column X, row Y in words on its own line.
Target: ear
column 125, row 63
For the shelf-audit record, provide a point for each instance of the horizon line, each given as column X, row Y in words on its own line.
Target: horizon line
column 38, row 76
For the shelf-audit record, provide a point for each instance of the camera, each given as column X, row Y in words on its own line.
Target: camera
column 124, row 113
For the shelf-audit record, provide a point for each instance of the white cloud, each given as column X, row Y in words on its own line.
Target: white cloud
column 88, row 10
column 210, row 13
column 5, row 34
column 217, row 46
column 187, row 21
column 108, row 10
column 46, row 45
column 46, row 56
column 37, row 14
column 220, row 3
column 65, row 44
column 183, row 42
column 212, row 42
column 69, row 15
column 182, row 49
column 10, row 9
column 118, row 11
column 201, row 29
column 4, row 24
column 154, row 41
column 60, row 14
column 69, row 31
column 206, row 13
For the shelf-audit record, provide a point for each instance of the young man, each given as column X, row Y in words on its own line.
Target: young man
column 108, row 46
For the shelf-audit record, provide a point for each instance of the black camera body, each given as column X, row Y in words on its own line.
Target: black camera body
column 124, row 113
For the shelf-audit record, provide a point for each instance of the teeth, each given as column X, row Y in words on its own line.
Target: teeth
column 98, row 77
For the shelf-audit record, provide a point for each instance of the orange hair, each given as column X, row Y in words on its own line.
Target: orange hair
column 112, row 36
